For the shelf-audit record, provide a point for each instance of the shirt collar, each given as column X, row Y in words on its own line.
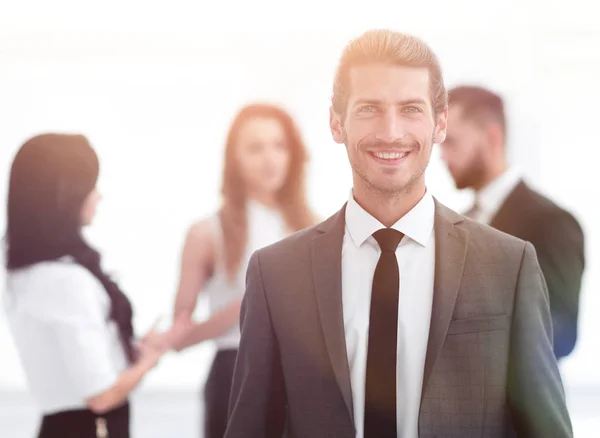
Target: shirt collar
column 417, row 224
column 495, row 193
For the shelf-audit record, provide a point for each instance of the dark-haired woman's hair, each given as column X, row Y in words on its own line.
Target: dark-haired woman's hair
column 50, row 178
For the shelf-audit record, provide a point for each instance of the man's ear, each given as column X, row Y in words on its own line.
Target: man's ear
column 336, row 126
column 441, row 125
column 495, row 135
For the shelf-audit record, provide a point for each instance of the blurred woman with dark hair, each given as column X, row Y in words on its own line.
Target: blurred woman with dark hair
column 263, row 202
column 71, row 323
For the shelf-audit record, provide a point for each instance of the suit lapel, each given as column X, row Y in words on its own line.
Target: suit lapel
column 326, row 254
column 451, row 245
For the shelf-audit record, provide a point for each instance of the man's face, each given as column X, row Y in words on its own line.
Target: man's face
column 463, row 150
column 388, row 127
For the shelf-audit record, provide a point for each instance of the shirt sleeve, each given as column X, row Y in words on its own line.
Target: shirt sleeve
column 76, row 314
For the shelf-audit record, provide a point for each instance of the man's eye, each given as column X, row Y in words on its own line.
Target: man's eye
column 368, row 109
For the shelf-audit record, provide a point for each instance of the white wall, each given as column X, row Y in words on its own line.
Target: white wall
column 156, row 90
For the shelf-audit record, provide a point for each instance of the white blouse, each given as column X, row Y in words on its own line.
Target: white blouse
column 58, row 313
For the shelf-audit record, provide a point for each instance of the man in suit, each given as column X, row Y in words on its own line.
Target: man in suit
column 396, row 317
column 474, row 151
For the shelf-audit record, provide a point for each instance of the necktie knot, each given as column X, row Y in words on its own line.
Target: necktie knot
column 388, row 239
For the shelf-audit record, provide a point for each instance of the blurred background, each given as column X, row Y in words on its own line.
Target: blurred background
column 155, row 85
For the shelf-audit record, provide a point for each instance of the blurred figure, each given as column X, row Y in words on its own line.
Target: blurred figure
column 71, row 323
column 263, row 202
column 475, row 152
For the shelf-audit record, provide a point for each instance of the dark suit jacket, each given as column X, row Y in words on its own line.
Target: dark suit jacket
column 489, row 369
column 558, row 241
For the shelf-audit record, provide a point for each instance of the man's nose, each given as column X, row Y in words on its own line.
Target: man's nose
column 391, row 128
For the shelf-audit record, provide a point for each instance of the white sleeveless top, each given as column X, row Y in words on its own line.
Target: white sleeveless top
column 265, row 226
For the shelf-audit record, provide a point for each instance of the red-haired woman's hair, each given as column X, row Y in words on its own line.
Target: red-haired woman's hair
column 291, row 197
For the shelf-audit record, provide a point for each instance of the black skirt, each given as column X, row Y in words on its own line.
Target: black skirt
column 86, row 424
column 216, row 394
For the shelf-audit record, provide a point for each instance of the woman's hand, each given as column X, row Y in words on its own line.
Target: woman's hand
column 152, row 347
column 181, row 333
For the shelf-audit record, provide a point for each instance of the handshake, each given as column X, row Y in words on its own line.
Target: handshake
column 184, row 332
column 154, row 344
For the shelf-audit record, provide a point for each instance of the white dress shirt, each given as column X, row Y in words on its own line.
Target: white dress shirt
column 490, row 198
column 58, row 313
column 416, row 263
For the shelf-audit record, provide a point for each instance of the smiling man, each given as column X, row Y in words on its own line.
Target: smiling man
column 396, row 317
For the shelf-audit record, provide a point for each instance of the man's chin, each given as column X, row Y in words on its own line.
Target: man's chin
column 271, row 186
column 392, row 189
column 462, row 184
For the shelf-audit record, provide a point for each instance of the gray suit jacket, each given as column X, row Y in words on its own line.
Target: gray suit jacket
column 489, row 369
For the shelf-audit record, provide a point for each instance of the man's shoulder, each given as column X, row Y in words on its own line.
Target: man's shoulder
column 297, row 245
column 540, row 207
column 480, row 234
column 294, row 242
column 492, row 251
column 491, row 237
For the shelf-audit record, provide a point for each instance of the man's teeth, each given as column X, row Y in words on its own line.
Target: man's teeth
column 391, row 155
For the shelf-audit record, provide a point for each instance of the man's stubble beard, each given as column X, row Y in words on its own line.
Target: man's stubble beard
column 387, row 191
column 384, row 192
column 473, row 176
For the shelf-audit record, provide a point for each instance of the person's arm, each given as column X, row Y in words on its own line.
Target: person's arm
column 198, row 260
column 128, row 380
column 197, row 264
column 257, row 402
column 220, row 322
column 535, row 391
column 559, row 244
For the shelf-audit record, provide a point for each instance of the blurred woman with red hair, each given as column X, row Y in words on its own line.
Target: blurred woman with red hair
column 263, row 202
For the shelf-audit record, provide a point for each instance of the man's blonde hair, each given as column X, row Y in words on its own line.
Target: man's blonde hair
column 388, row 47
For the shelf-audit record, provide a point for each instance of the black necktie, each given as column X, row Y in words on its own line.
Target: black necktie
column 380, row 385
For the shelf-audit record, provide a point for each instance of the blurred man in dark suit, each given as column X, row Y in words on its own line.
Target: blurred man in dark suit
column 474, row 151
